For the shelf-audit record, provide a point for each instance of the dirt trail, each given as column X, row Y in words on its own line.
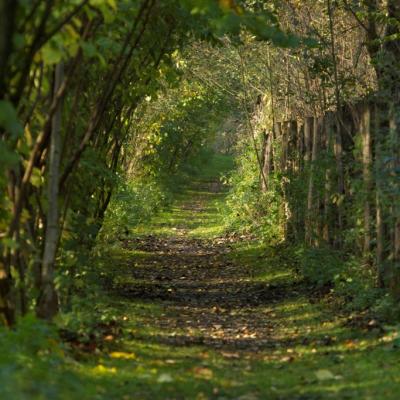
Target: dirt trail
column 207, row 297
column 210, row 317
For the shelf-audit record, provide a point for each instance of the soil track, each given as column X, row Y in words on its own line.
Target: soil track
column 207, row 298
column 211, row 317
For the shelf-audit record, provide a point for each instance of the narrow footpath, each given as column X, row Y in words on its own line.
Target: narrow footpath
column 206, row 316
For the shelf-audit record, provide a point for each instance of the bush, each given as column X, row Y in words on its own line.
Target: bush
column 133, row 203
column 248, row 208
column 318, row 265
column 31, row 360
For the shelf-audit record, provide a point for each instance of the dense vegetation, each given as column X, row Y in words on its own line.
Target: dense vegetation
column 266, row 131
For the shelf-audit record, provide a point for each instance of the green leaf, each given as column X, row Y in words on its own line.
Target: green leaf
column 36, row 178
column 165, row 378
column 324, row 375
column 9, row 119
column 8, row 157
column 89, row 49
column 51, row 54
column 10, row 243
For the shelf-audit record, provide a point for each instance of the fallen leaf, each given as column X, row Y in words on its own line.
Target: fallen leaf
column 122, row 355
column 230, row 355
column 165, row 378
column 248, row 396
column 202, row 372
column 324, row 375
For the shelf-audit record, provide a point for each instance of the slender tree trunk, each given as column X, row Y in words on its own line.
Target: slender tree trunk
column 328, row 136
column 291, row 171
column 284, row 146
column 308, row 126
column 379, row 219
column 284, row 180
column 395, row 206
column 300, row 147
column 314, row 194
column 267, row 161
column 277, row 139
column 301, row 150
column 392, row 47
column 8, row 10
column 47, row 306
column 338, row 150
column 312, row 206
column 365, row 131
column 7, row 310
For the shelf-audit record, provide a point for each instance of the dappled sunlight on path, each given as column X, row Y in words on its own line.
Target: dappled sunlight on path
column 209, row 316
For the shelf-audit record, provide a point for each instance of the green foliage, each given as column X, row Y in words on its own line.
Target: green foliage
column 319, row 265
column 31, row 361
column 243, row 201
column 248, row 208
column 227, row 17
column 133, row 203
column 9, row 120
column 350, row 284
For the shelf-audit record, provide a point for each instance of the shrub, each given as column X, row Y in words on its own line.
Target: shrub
column 318, row 265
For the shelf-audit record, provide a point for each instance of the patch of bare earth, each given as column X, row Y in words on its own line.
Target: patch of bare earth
column 206, row 298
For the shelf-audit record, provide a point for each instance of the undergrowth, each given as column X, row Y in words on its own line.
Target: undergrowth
column 342, row 275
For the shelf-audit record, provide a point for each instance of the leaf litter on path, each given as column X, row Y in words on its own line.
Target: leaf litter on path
column 242, row 325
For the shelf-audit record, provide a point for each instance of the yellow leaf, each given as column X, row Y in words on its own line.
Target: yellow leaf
column 101, row 369
column 123, row 355
column 202, row 372
column 112, row 4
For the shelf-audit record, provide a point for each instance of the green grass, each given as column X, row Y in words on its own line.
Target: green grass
column 204, row 192
column 310, row 354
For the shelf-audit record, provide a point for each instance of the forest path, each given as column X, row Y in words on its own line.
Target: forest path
column 209, row 317
column 206, row 297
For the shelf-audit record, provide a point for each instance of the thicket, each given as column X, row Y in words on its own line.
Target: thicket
column 318, row 157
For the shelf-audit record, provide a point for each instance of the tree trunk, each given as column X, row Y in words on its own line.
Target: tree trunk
column 308, row 127
column 284, row 145
column 293, row 211
column 365, row 132
column 338, row 150
column 6, row 304
column 277, row 140
column 299, row 147
column 395, row 206
column 308, row 124
column 384, row 49
column 379, row 219
column 47, row 306
column 8, row 10
column 267, row 161
column 312, row 200
column 328, row 138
